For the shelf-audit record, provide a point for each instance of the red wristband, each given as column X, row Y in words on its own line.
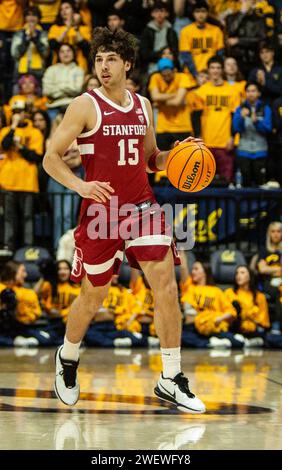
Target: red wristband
column 152, row 161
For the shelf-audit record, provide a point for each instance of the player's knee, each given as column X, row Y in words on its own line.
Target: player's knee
column 92, row 300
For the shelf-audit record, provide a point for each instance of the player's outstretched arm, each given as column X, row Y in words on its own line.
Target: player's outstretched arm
column 72, row 125
column 150, row 145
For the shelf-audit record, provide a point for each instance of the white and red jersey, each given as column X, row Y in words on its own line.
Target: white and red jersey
column 114, row 150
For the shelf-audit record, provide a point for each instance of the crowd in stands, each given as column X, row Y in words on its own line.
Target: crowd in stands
column 211, row 69
column 245, row 314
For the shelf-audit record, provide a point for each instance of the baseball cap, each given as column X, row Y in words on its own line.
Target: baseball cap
column 165, row 64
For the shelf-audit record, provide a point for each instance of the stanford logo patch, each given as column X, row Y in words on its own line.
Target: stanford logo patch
column 141, row 119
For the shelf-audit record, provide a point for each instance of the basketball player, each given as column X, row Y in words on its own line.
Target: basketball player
column 115, row 134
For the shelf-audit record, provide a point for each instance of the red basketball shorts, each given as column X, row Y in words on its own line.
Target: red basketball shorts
column 144, row 235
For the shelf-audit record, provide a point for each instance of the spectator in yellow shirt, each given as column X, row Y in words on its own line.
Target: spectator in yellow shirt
column 30, row 46
column 218, row 100
column 200, row 41
column 13, row 275
column 69, row 29
column 22, row 149
column 205, row 305
column 250, row 304
column 55, row 289
column 234, row 77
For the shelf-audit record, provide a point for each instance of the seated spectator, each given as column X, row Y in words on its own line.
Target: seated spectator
column 63, row 81
column 268, row 74
column 211, row 311
column 207, row 312
column 156, row 35
column 30, row 46
column 245, row 29
column 22, row 151
column 250, row 304
column 69, row 29
column 270, row 271
column 234, row 77
column 142, row 319
column 199, row 41
column 13, row 276
column 252, row 120
column 29, row 93
column 109, row 327
column 217, row 101
column 55, row 290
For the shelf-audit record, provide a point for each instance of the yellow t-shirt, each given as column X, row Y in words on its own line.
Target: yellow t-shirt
column 121, row 302
column 66, row 293
column 209, row 303
column 252, row 314
column 16, row 173
column 202, row 43
column 28, row 307
column 11, row 15
column 85, row 31
column 218, row 102
column 171, row 118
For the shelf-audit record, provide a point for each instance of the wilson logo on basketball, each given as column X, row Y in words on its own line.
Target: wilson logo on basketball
column 191, row 178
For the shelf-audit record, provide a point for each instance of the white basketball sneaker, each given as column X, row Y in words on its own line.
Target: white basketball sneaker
column 66, row 385
column 177, row 391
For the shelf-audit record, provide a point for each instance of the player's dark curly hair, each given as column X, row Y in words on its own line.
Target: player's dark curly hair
column 119, row 41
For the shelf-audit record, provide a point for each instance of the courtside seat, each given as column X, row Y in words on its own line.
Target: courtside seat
column 31, row 256
column 224, row 264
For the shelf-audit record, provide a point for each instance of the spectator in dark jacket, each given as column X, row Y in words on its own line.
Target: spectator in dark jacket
column 252, row 120
column 268, row 74
column 245, row 30
column 157, row 34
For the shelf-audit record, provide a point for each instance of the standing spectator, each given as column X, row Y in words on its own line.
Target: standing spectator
column 11, row 20
column 275, row 160
column 200, row 40
column 168, row 91
column 245, row 29
column 233, row 76
column 62, row 81
column 30, row 46
column 252, row 120
column 218, row 100
column 157, row 34
column 22, row 146
column 69, row 29
column 268, row 74
column 250, row 304
column 270, row 270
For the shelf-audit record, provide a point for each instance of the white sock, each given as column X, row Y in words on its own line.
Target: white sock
column 171, row 359
column 70, row 350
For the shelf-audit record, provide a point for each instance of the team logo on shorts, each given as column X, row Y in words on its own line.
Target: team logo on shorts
column 141, row 119
column 77, row 263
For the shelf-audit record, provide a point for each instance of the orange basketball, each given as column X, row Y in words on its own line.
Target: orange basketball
column 190, row 166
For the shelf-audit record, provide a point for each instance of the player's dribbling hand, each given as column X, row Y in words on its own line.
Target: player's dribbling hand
column 188, row 139
column 100, row 191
